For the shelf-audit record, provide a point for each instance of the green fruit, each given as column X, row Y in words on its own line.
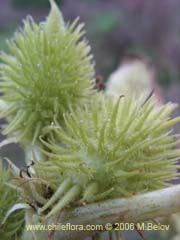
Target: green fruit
column 111, row 149
column 49, row 68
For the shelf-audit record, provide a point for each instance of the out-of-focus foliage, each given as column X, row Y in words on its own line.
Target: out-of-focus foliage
column 105, row 22
column 32, row 3
column 4, row 34
column 12, row 228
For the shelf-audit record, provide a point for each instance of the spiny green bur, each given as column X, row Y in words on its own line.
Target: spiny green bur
column 49, row 67
column 110, row 150
column 13, row 227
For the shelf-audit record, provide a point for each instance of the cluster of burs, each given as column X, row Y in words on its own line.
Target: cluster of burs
column 86, row 145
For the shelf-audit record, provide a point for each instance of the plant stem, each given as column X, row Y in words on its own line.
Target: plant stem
column 135, row 209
